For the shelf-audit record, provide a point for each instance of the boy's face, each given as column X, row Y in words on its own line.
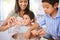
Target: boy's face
column 48, row 8
column 26, row 20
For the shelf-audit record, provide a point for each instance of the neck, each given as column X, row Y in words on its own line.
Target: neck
column 53, row 14
column 21, row 13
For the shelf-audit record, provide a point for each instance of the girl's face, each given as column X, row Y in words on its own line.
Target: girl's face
column 23, row 4
column 27, row 21
column 48, row 8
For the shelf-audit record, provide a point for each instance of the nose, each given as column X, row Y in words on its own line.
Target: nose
column 23, row 4
column 44, row 9
column 23, row 20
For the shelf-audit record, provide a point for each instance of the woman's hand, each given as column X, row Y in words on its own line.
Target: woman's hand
column 41, row 32
column 11, row 21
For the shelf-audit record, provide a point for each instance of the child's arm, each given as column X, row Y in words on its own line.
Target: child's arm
column 35, row 25
column 27, row 35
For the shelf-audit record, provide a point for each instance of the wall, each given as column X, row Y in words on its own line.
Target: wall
column 7, row 5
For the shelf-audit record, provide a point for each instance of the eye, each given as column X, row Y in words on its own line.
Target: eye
column 47, row 7
column 26, row 18
column 20, row 1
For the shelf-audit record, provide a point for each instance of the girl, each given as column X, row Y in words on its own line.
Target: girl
column 28, row 19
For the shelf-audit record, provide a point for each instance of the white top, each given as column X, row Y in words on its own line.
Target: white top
column 21, row 30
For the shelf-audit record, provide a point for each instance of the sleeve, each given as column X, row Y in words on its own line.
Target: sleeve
column 59, row 30
column 41, row 21
column 47, row 36
column 14, row 29
column 12, row 13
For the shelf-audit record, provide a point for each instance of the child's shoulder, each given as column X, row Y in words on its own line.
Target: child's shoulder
column 58, row 12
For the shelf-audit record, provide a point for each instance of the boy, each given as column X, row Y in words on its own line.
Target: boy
column 51, row 19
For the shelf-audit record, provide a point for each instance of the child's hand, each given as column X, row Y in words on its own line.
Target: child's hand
column 34, row 32
column 41, row 32
column 27, row 34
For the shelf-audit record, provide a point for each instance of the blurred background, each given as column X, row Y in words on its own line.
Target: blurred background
column 6, row 6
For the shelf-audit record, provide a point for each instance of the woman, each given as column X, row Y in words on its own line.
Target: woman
column 21, row 6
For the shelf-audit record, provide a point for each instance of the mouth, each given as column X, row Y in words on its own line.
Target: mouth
column 24, row 6
column 46, row 13
column 23, row 22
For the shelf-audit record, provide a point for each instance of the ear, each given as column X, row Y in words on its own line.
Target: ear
column 56, row 5
column 32, row 20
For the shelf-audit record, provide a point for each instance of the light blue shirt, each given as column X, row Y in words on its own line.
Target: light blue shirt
column 53, row 24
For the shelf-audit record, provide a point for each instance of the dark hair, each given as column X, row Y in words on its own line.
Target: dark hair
column 17, row 8
column 31, row 15
column 52, row 2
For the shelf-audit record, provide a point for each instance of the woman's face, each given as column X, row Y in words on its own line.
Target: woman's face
column 23, row 4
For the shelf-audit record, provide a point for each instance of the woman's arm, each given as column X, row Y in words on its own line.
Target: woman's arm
column 35, row 25
column 5, row 21
column 3, row 28
column 9, row 22
column 4, row 25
